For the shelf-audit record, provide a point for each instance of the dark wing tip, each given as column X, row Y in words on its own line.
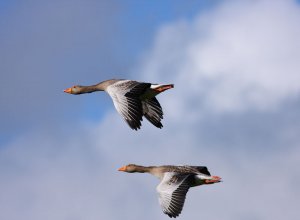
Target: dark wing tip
column 134, row 125
column 153, row 121
column 153, row 112
column 171, row 215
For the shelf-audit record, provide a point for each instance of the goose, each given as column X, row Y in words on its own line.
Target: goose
column 132, row 99
column 175, row 182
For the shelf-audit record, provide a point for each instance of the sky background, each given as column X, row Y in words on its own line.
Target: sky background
column 234, row 108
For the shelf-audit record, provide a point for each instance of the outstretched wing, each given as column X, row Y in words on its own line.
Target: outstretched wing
column 172, row 192
column 125, row 95
column 153, row 111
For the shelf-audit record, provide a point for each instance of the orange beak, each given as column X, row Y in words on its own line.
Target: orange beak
column 122, row 168
column 69, row 90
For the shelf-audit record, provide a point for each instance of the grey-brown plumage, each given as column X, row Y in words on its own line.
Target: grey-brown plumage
column 175, row 183
column 132, row 99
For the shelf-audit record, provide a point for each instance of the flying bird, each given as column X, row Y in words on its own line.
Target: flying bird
column 175, row 182
column 132, row 99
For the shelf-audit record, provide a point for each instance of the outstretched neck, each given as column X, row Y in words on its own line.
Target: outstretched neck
column 102, row 86
column 142, row 169
column 89, row 89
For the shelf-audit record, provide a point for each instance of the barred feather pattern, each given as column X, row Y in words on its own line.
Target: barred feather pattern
column 172, row 192
column 153, row 111
column 125, row 95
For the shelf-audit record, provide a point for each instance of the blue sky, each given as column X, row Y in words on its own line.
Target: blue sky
column 108, row 47
column 234, row 108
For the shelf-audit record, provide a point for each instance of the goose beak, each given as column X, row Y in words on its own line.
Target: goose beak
column 122, row 168
column 68, row 90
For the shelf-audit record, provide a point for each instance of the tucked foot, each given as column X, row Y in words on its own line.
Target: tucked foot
column 214, row 179
column 164, row 88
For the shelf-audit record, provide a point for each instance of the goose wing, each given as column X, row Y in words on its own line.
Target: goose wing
column 153, row 111
column 126, row 98
column 172, row 192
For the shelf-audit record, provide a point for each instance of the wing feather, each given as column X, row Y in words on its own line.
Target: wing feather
column 153, row 111
column 172, row 192
column 126, row 98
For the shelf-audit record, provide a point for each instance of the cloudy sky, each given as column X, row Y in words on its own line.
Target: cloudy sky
column 234, row 108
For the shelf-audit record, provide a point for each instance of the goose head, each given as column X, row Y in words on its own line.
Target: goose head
column 130, row 168
column 75, row 90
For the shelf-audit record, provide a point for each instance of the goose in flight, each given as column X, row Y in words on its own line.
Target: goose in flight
column 175, row 182
column 132, row 99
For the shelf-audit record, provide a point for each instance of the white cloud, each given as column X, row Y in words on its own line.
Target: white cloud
column 239, row 56
column 69, row 172
column 45, row 176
